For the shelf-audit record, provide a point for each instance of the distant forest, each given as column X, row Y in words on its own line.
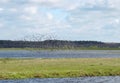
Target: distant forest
column 56, row 44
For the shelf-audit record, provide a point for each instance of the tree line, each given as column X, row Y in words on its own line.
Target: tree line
column 56, row 44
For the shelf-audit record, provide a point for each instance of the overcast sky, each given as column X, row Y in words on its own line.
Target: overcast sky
column 68, row 19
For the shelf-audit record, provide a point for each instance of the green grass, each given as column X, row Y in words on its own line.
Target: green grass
column 52, row 68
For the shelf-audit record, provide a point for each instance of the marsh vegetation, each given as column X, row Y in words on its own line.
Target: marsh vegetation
column 54, row 68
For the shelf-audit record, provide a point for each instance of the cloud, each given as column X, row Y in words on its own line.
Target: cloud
column 1, row 9
column 117, row 21
column 13, row 9
column 1, row 25
column 64, row 4
column 4, row 1
column 50, row 16
column 71, row 4
column 25, row 17
column 31, row 10
column 71, row 19
column 45, row 1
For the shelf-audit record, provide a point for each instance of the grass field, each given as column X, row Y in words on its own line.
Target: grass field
column 49, row 68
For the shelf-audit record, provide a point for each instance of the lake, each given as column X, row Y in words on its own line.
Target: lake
column 63, row 54
column 102, row 79
column 60, row 54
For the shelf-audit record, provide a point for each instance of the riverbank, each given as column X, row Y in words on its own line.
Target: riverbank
column 57, row 68
column 52, row 49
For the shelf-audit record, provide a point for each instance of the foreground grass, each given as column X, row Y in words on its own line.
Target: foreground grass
column 49, row 68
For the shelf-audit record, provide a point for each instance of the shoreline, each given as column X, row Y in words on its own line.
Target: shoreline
column 54, row 49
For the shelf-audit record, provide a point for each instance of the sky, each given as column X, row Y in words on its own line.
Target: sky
column 95, row 20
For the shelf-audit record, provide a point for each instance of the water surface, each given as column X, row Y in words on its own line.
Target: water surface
column 103, row 79
column 60, row 54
